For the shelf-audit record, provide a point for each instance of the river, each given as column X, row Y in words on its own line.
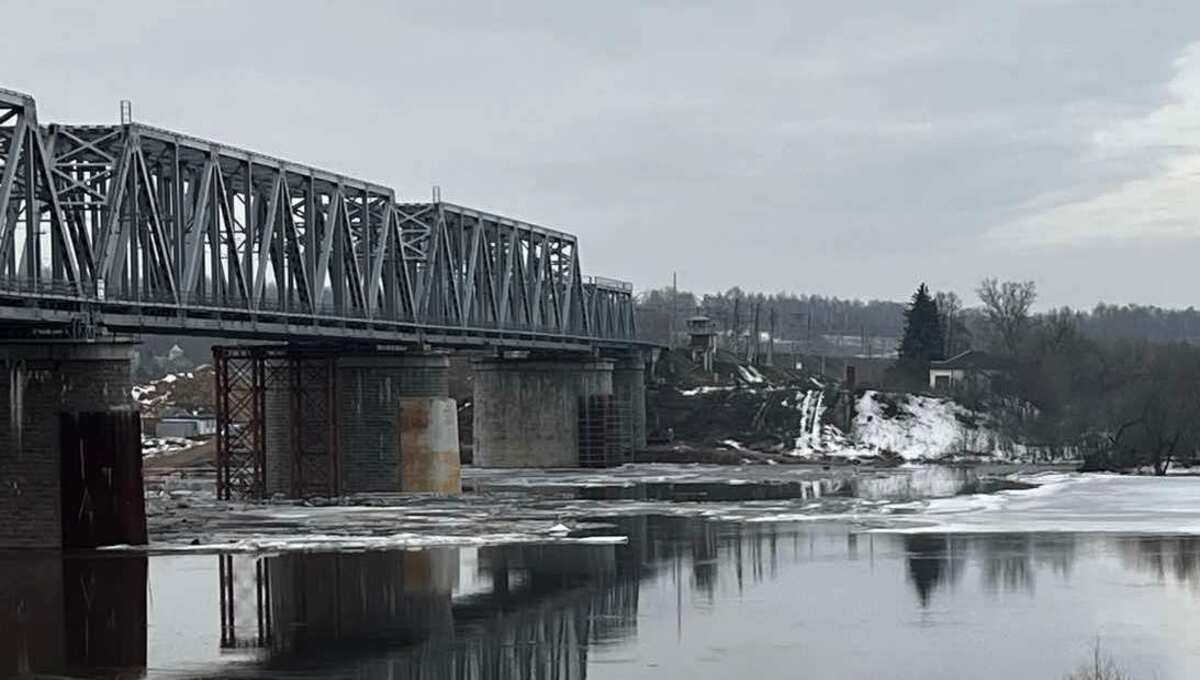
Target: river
column 1016, row 584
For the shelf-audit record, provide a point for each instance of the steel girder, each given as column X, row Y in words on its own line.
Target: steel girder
column 183, row 233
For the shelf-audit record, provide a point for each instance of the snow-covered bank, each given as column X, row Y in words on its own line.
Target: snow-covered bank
column 917, row 427
column 908, row 427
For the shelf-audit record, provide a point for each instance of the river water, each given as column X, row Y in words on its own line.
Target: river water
column 1017, row 584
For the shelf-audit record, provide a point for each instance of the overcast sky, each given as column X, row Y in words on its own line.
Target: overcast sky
column 848, row 148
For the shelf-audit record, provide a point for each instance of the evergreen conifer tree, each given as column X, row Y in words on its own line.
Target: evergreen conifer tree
column 923, row 339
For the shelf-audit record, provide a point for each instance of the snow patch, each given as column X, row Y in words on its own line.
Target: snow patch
column 822, row 440
column 157, row 446
column 751, row 375
column 706, row 389
column 925, row 428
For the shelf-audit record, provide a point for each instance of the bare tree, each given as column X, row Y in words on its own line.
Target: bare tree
column 949, row 308
column 1058, row 329
column 1099, row 667
column 1008, row 307
column 1160, row 409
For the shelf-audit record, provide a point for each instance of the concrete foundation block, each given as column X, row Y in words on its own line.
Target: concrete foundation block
column 527, row 410
column 39, row 383
column 629, row 388
column 429, row 457
column 356, row 396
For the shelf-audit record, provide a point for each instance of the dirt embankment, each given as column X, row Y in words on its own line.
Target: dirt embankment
column 192, row 391
column 736, row 414
column 202, row 455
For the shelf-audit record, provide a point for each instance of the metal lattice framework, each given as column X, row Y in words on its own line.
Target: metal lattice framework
column 304, row 387
column 241, row 408
column 142, row 229
column 313, row 423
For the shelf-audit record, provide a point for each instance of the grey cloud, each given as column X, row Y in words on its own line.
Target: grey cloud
column 850, row 148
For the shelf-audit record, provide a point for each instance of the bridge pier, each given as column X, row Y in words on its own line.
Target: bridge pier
column 629, row 389
column 429, row 453
column 338, row 423
column 527, row 411
column 70, row 446
column 397, row 424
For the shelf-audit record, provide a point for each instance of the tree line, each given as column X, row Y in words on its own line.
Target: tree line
column 1117, row 384
column 1118, row 397
column 661, row 315
column 801, row 317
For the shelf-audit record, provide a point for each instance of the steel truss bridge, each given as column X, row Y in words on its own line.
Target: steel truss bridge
column 137, row 229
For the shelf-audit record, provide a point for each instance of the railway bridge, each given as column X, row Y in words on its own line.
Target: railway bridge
column 347, row 301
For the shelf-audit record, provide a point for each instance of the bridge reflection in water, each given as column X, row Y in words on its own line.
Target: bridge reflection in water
column 512, row 611
column 523, row 611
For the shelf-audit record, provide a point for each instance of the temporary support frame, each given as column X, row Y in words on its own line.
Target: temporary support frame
column 244, row 377
column 241, row 425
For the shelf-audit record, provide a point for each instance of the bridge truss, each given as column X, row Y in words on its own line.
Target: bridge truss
column 141, row 229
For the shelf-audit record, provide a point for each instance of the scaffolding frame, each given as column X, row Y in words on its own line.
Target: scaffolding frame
column 244, row 376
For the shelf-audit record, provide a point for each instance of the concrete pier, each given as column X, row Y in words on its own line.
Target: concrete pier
column 371, row 390
column 629, row 388
column 428, row 446
column 59, row 390
column 334, row 424
column 527, row 410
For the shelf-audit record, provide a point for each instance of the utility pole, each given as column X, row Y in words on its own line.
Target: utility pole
column 771, row 339
column 674, row 297
column 752, row 346
column 737, row 321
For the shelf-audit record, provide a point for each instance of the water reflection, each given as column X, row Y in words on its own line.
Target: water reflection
column 74, row 615
column 523, row 611
column 515, row 611
column 934, row 561
column 1006, row 562
column 1177, row 557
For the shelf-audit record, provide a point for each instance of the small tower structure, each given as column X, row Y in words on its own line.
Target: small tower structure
column 702, row 334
